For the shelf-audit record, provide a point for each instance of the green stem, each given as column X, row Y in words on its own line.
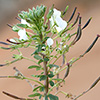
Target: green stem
column 21, row 77
column 34, row 80
column 30, row 60
column 57, row 58
column 61, row 92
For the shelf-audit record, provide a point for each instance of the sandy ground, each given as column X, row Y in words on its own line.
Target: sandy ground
column 82, row 74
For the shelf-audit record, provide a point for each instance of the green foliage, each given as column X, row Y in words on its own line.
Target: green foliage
column 51, row 83
column 37, row 57
column 43, row 77
column 34, row 95
column 53, row 65
column 53, row 97
column 48, row 41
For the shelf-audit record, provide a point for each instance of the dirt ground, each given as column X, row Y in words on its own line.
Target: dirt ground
column 82, row 74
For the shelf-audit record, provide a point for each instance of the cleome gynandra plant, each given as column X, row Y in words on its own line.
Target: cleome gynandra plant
column 48, row 35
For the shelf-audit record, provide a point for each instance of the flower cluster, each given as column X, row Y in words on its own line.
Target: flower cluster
column 49, row 39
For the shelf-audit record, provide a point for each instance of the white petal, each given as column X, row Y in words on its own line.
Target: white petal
column 62, row 24
column 22, row 34
column 12, row 40
column 56, row 12
column 51, row 21
column 24, row 22
column 49, row 42
column 23, row 37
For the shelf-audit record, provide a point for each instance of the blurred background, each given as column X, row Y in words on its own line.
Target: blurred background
column 82, row 74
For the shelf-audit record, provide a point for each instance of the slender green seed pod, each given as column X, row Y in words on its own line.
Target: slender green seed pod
column 65, row 10
column 18, row 19
column 5, row 48
column 79, row 33
column 4, row 43
column 72, row 14
column 12, row 42
column 87, row 23
column 9, row 25
column 67, row 71
column 98, row 79
column 90, row 47
column 76, row 19
column 80, row 20
column 15, row 97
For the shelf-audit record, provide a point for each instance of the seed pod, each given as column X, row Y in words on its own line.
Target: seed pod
column 72, row 14
column 87, row 23
column 78, row 35
column 80, row 20
column 67, row 71
column 12, row 42
column 90, row 47
column 15, row 97
column 65, row 10
column 9, row 25
column 18, row 19
column 4, row 43
column 1, row 65
column 5, row 48
column 76, row 19
column 98, row 79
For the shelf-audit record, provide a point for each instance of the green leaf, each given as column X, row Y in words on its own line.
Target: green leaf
column 57, row 44
column 34, row 95
column 23, row 25
column 57, row 79
column 15, row 28
column 53, row 65
column 53, row 97
column 37, row 57
column 41, row 89
column 17, row 56
column 40, row 96
column 46, row 97
column 50, row 12
column 50, row 75
column 43, row 77
column 36, row 88
column 37, row 76
column 51, row 83
column 21, row 16
column 40, row 61
column 33, row 66
column 46, row 59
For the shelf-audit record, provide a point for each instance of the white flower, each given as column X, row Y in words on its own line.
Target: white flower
column 61, row 43
column 12, row 40
column 64, row 46
column 49, row 42
column 62, row 24
column 22, row 35
column 24, row 22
